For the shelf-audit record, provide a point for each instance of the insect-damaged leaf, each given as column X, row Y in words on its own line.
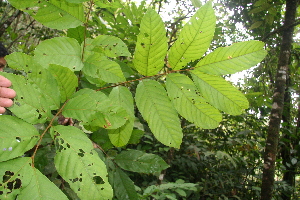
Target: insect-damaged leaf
column 79, row 164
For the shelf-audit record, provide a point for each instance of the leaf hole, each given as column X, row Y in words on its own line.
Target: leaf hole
column 81, row 154
column 98, row 180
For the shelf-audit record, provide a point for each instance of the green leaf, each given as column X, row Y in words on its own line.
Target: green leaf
column 157, row 109
column 62, row 51
column 141, row 162
column 100, row 67
column 79, row 164
column 21, row 61
column 66, row 79
column 95, row 109
column 219, row 93
column 124, row 186
column 22, row 181
column 26, row 104
column 56, row 14
column 17, row 137
column 232, row 59
column 122, row 96
column 185, row 97
column 136, row 135
column 110, row 46
column 194, row 38
column 77, row 33
column 151, row 46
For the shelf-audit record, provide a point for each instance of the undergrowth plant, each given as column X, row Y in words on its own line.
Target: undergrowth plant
column 79, row 90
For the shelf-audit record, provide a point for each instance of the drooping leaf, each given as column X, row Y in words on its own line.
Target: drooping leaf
column 95, row 109
column 141, row 162
column 220, row 93
column 123, row 97
column 189, row 104
column 22, row 181
column 56, row 14
column 100, row 67
column 194, row 38
column 232, row 59
column 66, row 79
column 62, row 51
column 26, row 104
column 79, row 164
column 110, row 46
column 157, row 109
column 17, row 137
column 124, row 186
column 151, row 46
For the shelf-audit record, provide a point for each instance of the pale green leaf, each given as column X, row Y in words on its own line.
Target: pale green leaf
column 21, row 61
column 100, row 67
column 30, row 104
column 122, row 96
column 56, row 14
column 27, row 182
column 124, row 186
column 79, row 164
column 189, row 104
column 141, row 162
column 194, row 38
column 157, row 109
column 16, row 137
column 110, row 46
column 66, row 79
column 232, row 59
column 62, row 51
column 219, row 93
column 95, row 109
column 151, row 46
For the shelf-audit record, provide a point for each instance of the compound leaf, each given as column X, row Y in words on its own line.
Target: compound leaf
column 17, row 137
column 79, row 164
column 151, row 46
column 220, row 93
column 141, row 162
column 157, row 109
column 189, row 104
column 194, row 38
column 232, row 59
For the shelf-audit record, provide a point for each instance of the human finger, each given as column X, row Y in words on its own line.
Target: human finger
column 4, row 82
column 2, row 110
column 5, row 102
column 7, row 92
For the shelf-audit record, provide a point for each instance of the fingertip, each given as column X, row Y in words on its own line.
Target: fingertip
column 2, row 110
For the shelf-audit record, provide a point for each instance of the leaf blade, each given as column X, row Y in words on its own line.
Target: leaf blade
column 157, row 109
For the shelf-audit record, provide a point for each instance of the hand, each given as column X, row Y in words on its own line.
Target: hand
column 6, row 94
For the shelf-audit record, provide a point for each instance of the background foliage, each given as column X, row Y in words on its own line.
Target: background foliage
column 115, row 102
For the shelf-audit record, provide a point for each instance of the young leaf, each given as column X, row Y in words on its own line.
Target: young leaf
column 66, row 79
column 22, row 181
column 123, row 186
column 220, row 93
column 62, row 51
column 141, row 162
column 185, row 97
column 194, row 38
column 123, row 97
column 95, row 109
column 17, row 137
column 54, row 14
column 151, row 46
column 232, row 59
column 79, row 164
column 100, row 67
column 156, row 108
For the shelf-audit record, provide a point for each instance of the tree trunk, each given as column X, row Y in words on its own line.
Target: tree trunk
column 278, row 103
